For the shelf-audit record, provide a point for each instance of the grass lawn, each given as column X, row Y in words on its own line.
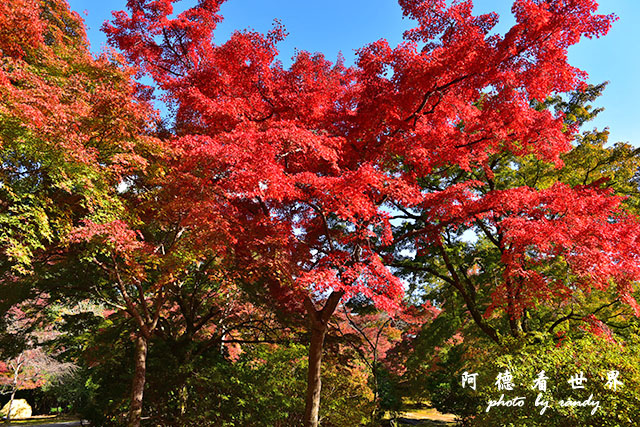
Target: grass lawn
column 423, row 415
column 40, row 419
column 429, row 417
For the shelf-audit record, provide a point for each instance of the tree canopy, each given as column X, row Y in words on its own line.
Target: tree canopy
column 449, row 168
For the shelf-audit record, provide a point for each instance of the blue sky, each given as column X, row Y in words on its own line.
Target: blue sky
column 332, row 26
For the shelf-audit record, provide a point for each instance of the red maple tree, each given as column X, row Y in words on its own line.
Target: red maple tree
column 292, row 172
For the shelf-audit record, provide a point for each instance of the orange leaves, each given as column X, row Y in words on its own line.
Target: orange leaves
column 72, row 128
column 74, row 104
column 116, row 233
column 21, row 28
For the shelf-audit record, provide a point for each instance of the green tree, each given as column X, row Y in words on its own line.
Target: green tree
column 593, row 320
column 71, row 131
column 472, row 264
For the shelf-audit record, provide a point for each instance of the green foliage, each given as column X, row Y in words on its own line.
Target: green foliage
column 443, row 386
column 347, row 399
column 560, row 360
column 71, row 130
column 99, row 389
column 264, row 387
column 389, row 396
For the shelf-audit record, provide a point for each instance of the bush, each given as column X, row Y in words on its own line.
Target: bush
column 593, row 356
column 262, row 385
column 266, row 387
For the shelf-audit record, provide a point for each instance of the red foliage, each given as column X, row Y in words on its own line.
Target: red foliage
column 290, row 169
column 585, row 226
column 599, row 328
column 20, row 27
column 31, row 369
column 265, row 163
column 115, row 233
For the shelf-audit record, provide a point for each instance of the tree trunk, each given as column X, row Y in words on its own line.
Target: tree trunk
column 314, row 381
column 515, row 321
column 319, row 320
column 13, row 396
column 16, row 373
column 139, row 376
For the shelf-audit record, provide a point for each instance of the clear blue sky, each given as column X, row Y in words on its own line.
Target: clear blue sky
column 332, row 26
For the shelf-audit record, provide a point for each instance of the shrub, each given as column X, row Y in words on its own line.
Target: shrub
column 595, row 357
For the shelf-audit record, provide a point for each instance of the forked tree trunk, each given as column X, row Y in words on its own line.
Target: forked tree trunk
column 139, row 376
column 319, row 320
